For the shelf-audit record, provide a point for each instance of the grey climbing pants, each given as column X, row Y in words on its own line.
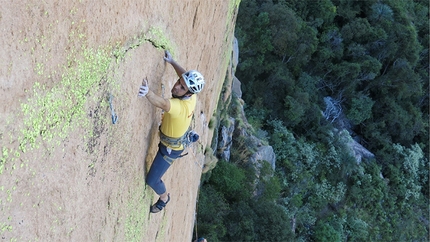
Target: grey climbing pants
column 161, row 163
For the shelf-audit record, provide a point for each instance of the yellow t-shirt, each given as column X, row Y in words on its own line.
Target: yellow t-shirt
column 177, row 121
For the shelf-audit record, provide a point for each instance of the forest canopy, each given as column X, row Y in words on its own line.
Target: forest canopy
column 311, row 70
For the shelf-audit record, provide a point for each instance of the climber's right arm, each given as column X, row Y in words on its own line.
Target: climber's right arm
column 158, row 101
column 153, row 98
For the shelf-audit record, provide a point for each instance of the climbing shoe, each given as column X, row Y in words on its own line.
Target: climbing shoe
column 159, row 205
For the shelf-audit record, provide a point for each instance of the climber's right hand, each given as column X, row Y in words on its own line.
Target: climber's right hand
column 143, row 90
column 168, row 57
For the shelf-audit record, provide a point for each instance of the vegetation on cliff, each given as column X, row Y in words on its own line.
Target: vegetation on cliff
column 311, row 71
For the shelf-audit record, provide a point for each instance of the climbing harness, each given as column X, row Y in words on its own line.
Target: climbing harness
column 185, row 140
column 113, row 114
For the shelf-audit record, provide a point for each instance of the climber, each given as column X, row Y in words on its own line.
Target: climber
column 175, row 126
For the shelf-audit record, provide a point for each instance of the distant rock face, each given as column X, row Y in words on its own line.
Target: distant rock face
column 225, row 138
column 236, row 87
column 227, row 132
column 227, row 135
column 356, row 149
column 235, row 55
column 264, row 153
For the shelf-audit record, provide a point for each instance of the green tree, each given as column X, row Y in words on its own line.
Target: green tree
column 361, row 109
column 356, row 228
column 231, row 180
column 372, row 57
column 241, row 222
column 268, row 184
column 412, row 164
column 325, row 232
column 211, row 210
column 272, row 223
column 380, row 12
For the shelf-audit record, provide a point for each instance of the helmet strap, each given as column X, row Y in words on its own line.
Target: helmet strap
column 186, row 96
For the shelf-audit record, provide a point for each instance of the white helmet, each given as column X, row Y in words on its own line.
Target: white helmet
column 194, row 81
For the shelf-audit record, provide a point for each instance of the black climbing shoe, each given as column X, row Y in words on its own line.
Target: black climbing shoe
column 159, row 205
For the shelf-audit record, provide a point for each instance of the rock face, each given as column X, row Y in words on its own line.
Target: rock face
column 264, row 153
column 334, row 114
column 230, row 130
column 356, row 149
column 225, row 139
column 67, row 172
column 236, row 85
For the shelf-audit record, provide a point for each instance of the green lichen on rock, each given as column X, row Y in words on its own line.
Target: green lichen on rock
column 55, row 112
column 159, row 39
